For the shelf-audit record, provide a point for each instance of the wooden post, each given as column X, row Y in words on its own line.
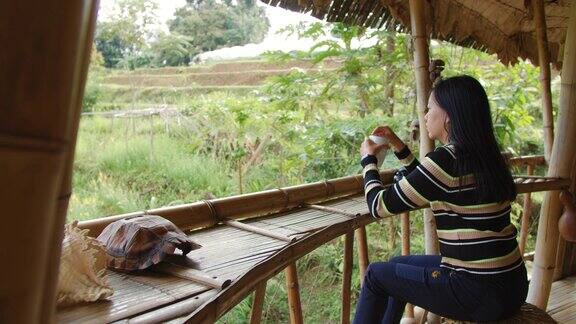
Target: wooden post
column 526, row 212
column 293, row 294
column 258, row 303
column 347, row 277
column 563, row 153
column 363, row 260
column 421, row 63
column 544, row 62
column 41, row 86
column 391, row 233
column 405, row 230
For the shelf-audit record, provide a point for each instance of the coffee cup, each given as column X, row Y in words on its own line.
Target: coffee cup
column 380, row 156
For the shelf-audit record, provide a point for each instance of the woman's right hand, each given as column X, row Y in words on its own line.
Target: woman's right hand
column 388, row 133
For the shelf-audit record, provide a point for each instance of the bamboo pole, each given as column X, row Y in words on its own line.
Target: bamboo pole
column 258, row 303
column 331, row 210
column 293, row 294
column 194, row 275
column 258, row 230
column 49, row 300
column 363, row 259
column 544, row 62
column 391, row 233
column 405, row 231
column 563, row 154
column 421, row 64
column 199, row 215
column 40, row 85
column 347, row 277
column 526, row 212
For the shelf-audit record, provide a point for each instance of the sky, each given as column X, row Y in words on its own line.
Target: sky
column 279, row 18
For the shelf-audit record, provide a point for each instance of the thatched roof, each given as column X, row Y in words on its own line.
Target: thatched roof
column 502, row 27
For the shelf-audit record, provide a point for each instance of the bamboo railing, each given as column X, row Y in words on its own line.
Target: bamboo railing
column 265, row 270
column 285, row 259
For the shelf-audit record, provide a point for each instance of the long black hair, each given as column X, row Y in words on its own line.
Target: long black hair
column 472, row 133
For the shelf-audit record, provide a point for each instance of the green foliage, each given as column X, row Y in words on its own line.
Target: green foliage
column 211, row 24
column 514, row 96
column 93, row 91
column 123, row 38
column 172, row 50
column 365, row 74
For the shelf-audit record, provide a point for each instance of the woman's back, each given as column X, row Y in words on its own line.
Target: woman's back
column 475, row 236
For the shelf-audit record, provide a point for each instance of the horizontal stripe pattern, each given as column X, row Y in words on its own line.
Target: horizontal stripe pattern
column 474, row 237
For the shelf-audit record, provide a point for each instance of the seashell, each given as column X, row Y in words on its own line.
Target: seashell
column 82, row 276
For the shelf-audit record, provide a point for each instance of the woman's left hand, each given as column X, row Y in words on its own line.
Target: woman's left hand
column 369, row 147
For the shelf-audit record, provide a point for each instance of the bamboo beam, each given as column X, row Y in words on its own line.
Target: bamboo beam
column 544, row 62
column 527, row 159
column 293, row 294
column 363, row 259
column 526, row 212
column 41, row 81
column 347, row 277
column 421, row 65
column 563, row 154
column 258, row 303
column 194, row 275
column 258, row 230
column 199, row 215
column 548, row 185
column 331, row 210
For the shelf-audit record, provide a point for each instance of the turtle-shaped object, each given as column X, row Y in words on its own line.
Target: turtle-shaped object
column 137, row 243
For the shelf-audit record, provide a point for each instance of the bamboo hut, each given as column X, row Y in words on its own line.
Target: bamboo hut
column 42, row 76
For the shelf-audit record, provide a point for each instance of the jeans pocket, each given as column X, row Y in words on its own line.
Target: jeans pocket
column 410, row 272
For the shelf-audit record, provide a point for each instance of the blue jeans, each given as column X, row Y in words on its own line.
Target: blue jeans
column 419, row 280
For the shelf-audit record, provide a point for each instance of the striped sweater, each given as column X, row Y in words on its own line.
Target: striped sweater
column 475, row 238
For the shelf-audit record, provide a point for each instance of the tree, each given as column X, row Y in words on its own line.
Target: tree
column 172, row 50
column 213, row 25
column 125, row 34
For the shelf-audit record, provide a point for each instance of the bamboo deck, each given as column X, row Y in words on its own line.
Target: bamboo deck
column 562, row 302
column 247, row 258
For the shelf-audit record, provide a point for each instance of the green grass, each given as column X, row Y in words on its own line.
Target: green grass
column 133, row 169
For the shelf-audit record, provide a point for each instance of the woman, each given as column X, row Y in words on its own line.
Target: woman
column 480, row 274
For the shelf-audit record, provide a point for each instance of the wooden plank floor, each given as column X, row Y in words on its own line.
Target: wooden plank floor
column 562, row 303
